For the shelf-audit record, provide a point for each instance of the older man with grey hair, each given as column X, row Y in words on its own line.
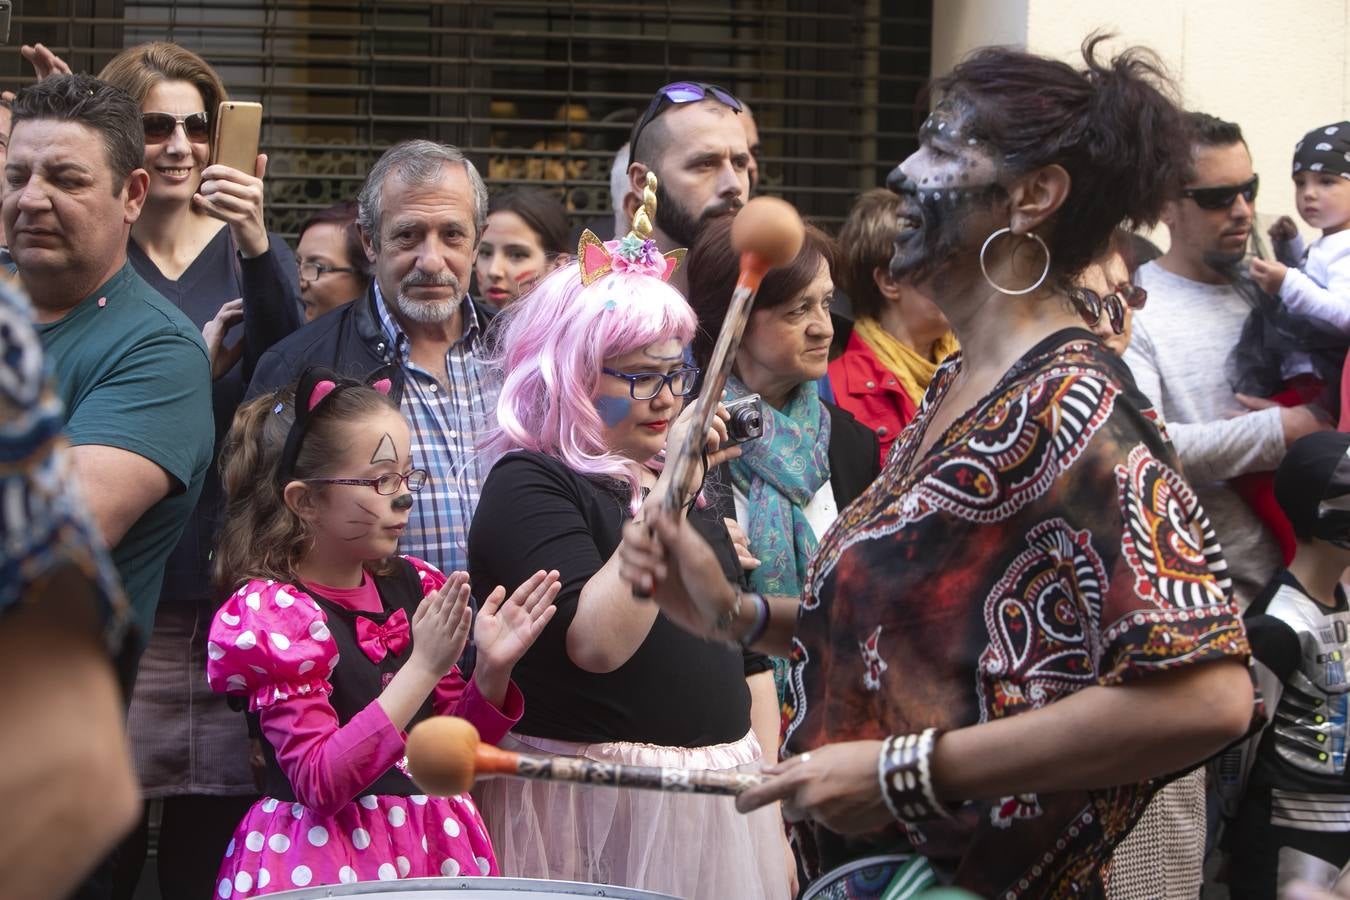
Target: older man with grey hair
column 422, row 211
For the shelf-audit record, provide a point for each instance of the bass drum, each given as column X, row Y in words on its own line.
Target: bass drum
column 471, row 889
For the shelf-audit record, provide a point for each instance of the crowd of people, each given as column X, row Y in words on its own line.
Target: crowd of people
column 1026, row 581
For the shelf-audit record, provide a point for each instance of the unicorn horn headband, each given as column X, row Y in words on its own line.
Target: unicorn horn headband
column 635, row 252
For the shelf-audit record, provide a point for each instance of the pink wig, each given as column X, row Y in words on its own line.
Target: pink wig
column 553, row 343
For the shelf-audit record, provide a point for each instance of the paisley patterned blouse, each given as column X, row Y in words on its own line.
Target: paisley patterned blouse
column 1046, row 543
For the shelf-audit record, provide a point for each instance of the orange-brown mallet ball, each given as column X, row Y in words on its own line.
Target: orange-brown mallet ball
column 441, row 755
column 770, row 229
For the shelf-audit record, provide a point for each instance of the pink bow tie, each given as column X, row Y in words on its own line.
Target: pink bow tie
column 377, row 640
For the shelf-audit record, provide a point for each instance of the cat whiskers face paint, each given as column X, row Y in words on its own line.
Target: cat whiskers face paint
column 363, row 525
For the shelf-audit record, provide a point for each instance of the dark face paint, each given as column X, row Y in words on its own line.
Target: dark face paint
column 937, row 223
column 950, row 178
column 402, row 502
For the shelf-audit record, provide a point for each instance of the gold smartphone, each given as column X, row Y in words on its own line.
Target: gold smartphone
column 234, row 141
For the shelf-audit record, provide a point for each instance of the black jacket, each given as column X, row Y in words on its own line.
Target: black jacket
column 349, row 340
column 854, row 456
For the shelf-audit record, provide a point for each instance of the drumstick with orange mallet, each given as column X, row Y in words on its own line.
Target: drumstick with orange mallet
column 445, row 756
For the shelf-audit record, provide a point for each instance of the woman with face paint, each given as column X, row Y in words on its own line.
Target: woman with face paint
column 525, row 239
column 1023, row 627
column 339, row 646
column 595, row 385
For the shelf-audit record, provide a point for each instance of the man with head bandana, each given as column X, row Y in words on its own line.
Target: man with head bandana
column 1292, row 820
column 691, row 136
column 1183, row 340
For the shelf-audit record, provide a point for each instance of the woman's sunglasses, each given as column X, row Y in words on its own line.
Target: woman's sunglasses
column 675, row 93
column 1091, row 304
column 1222, row 197
column 159, row 127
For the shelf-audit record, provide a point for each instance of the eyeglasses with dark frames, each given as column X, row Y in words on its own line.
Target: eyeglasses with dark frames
column 159, row 126
column 1090, row 304
column 646, row 385
column 313, row 271
column 676, row 93
column 1222, row 196
column 387, row 485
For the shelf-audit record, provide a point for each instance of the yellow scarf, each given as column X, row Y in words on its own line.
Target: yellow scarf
column 913, row 370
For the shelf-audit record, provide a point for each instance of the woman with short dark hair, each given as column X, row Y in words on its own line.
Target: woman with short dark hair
column 334, row 270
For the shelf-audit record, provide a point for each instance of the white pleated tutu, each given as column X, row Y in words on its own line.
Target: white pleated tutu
column 689, row 845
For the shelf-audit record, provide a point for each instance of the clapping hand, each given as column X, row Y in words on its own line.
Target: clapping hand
column 440, row 626
column 507, row 627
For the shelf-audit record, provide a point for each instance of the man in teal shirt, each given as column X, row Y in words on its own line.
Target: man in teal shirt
column 131, row 369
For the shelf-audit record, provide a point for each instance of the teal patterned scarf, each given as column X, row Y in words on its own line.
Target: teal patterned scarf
column 779, row 474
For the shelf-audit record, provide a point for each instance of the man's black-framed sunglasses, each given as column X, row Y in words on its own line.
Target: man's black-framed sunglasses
column 675, row 93
column 1222, row 197
column 159, row 126
column 1091, row 304
column 646, row 385
column 388, row 484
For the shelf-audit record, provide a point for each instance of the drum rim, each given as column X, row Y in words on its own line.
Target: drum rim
column 492, row 883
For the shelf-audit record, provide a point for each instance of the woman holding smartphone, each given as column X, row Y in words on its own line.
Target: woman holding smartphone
column 200, row 241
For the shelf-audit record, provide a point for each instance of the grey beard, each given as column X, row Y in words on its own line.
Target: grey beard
column 428, row 312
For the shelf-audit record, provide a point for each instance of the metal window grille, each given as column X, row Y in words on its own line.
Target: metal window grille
column 535, row 91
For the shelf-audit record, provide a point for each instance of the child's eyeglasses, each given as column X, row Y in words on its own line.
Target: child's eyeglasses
column 679, row 92
column 159, row 126
column 1222, row 197
column 388, row 485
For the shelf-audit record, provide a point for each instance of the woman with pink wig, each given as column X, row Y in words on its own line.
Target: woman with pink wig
column 596, row 378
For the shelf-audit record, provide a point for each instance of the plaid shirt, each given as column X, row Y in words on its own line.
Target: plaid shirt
column 445, row 420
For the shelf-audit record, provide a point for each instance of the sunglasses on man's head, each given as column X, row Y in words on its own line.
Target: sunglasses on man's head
column 1222, row 197
column 676, row 93
column 160, row 126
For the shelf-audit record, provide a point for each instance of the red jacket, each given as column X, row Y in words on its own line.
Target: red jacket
column 868, row 390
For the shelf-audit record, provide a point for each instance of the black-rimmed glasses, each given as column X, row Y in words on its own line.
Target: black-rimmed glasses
column 679, row 92
column 646, row 385
column 159, row 126
column 313, row 271
column 1222, row 196
column 388, row 485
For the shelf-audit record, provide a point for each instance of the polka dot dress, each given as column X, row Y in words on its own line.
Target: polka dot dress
column 282, row 846
column 271, row 642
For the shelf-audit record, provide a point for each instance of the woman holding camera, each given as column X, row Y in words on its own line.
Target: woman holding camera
column 813, row 458
column 596, row 379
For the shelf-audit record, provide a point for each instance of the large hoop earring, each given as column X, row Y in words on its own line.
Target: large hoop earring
column 1002, row 290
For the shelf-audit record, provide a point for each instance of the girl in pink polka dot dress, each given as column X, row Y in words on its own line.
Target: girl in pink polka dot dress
column 339, row 646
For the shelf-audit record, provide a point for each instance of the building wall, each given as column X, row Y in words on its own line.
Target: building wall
column 1277, row 69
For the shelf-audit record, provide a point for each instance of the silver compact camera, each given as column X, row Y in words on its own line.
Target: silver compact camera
column 745, row 420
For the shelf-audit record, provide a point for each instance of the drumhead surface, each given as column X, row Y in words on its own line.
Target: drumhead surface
column 471, row 889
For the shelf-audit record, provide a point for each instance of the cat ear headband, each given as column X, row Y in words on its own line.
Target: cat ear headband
column 316, row 385
column 635, row 252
